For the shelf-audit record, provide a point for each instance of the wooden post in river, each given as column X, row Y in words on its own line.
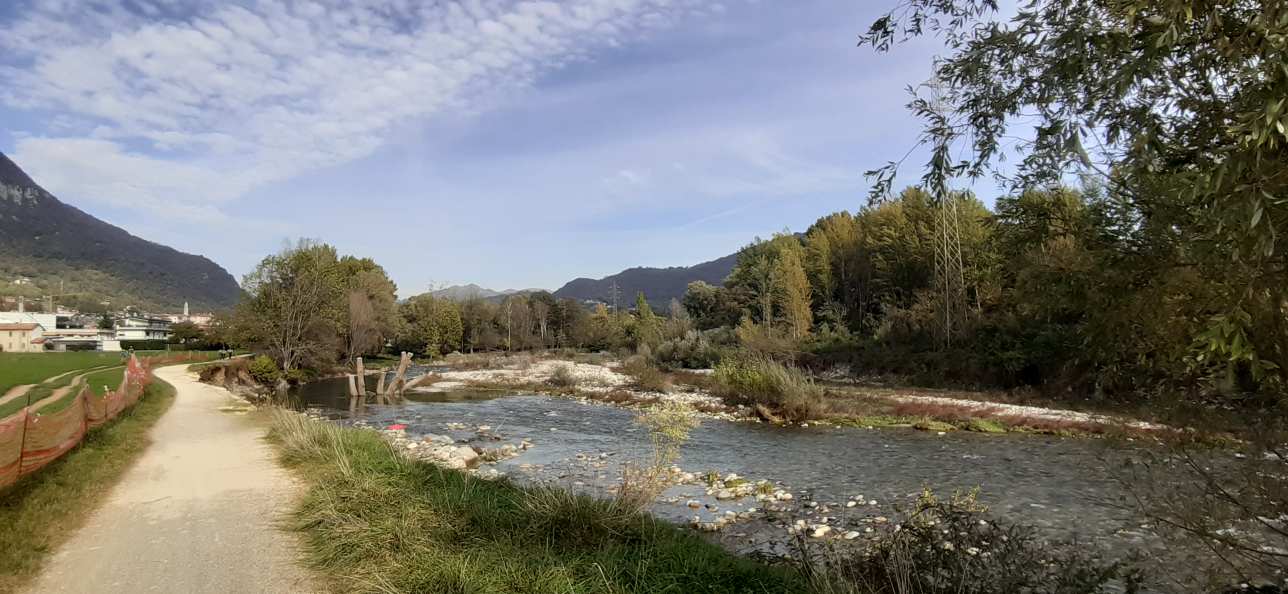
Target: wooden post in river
column 380, row 387
column 353, row 395
column 399, row 383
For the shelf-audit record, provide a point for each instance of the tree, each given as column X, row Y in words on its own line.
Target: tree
column 792, row 292
column 430, row 325
column 370, row 313
column 1176, row 107
column 648, row 327
column 186, row 333
column 293, row 305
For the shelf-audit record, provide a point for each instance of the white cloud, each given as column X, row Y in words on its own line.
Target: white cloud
column 177, row 116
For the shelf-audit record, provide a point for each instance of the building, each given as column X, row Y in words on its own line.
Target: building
column 142, row 328
column 201, row 320
column 81, row 339
column 21, row 338
column 46, row 321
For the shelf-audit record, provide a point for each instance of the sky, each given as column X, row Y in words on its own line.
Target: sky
column 512, row 144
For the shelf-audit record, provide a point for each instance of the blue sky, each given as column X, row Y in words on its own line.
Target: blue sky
column 511, row 144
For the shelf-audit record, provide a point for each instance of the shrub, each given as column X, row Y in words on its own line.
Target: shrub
column 563, row 377
column 765, row 383
column 763, row 341
column 645, row 375
column 265, row 370
column 943, row 547
column 691, row 351
column 668, row 428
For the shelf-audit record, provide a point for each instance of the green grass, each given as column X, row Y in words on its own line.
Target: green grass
column 41, row 511
column 373, row 521
column 17, row 369
column 111, row 378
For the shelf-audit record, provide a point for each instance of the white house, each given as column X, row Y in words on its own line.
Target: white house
column 142, row 328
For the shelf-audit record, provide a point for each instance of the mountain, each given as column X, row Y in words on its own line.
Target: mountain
column 473, row 291
column 659, row 285
column 61, row 249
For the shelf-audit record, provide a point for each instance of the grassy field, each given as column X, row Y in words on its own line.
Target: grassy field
column 375, row 522
column 40, row 511
column 100, row 382
column 17, row 369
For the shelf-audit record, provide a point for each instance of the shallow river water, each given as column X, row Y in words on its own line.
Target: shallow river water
column 1062, row 486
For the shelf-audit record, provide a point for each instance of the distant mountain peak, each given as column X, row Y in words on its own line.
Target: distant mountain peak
column 12, row 175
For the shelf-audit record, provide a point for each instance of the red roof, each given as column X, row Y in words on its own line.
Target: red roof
column 27, row 327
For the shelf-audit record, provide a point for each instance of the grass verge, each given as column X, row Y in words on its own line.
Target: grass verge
column 374, row 521
column 41, row 511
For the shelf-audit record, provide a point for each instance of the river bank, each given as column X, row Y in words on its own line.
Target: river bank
column 600, row 378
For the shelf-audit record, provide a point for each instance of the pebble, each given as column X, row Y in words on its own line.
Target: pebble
column 851, row 535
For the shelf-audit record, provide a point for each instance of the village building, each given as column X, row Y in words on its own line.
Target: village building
column 142, row 328
column 21, row 338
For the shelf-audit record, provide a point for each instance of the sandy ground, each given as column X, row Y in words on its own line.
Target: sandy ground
column 198, row 512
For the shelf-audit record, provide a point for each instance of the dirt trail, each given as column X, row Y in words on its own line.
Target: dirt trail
column 197, row 513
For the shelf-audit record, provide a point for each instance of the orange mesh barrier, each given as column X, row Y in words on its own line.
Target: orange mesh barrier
column 50, row 435
column 11, row 428
column 96, row 407
column 30, row 439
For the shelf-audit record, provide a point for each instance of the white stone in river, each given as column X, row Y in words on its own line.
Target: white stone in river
column 850, row 504
column 820, row 531
column 851, row 535
column 724, row 494
column 872, row 502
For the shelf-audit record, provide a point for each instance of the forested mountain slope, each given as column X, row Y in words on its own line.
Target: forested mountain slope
column 60, row 247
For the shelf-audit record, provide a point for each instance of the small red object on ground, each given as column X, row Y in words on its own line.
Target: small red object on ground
column 396, row 427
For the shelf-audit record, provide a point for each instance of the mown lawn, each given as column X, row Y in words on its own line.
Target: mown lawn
column 373, row 521
column 17, row 369
column 41, row 511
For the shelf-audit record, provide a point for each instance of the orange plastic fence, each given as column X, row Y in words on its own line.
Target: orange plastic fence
column 30, row 439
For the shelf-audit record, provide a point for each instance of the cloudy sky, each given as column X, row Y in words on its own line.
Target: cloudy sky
column 512, row 144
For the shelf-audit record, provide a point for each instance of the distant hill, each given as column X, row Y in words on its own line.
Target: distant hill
column 57, row 245
column 659, row 285
column 473, row 291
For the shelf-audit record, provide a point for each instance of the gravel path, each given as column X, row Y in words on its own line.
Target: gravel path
column 197, row 513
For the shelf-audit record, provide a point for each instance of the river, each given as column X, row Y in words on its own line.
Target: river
column 1062, row 486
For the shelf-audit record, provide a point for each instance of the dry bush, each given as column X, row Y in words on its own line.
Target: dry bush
column 1229, row 509
column 952, row 547
column 645, row 375
column 668, row 425
column 563, row 377
column 765, row 383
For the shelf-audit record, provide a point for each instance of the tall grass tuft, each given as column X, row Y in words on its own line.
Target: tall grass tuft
column 762, row 382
